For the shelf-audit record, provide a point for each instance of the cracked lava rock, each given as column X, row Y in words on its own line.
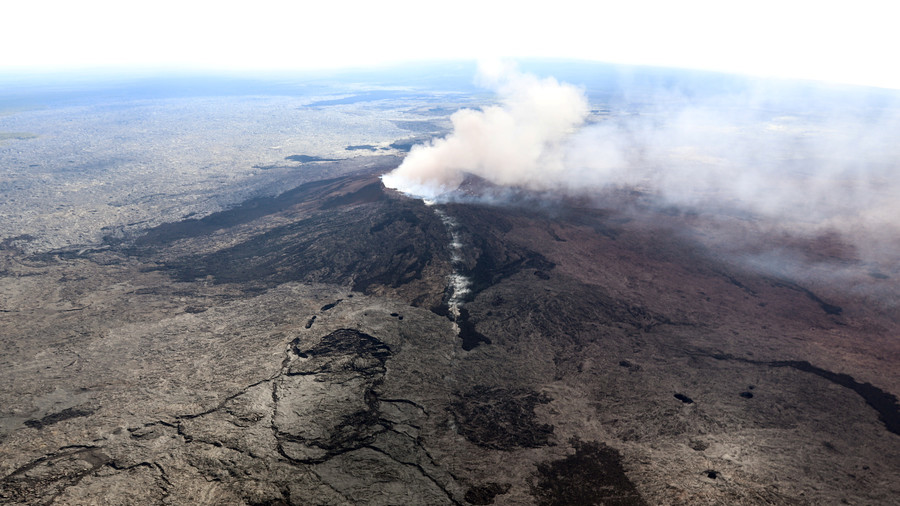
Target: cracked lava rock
column 298, row 350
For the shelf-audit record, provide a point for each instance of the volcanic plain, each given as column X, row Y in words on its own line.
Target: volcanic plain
column 297, row 349
column 215, row 300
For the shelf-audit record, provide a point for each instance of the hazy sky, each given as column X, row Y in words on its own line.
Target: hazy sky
column 843, row 41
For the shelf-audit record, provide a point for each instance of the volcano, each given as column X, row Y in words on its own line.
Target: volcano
column 298, row 349
column 679, row 288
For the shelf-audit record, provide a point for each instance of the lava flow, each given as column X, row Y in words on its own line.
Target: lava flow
column 458, row 285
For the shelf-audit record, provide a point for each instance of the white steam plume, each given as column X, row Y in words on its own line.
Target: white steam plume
column 514, row 143
column 806, row 162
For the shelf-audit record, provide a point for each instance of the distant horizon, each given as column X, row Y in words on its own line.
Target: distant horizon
column 797, row 40
column 107, row 74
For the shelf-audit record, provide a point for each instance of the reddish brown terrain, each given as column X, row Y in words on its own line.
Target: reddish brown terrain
column 300, row 349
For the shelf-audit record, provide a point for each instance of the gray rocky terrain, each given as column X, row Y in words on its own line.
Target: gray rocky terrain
column 217, row 301
column 298, row 350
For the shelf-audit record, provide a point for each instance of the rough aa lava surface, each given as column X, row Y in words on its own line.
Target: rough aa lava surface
column 299, row 348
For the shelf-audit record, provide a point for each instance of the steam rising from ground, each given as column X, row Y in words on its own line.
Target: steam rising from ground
column 517, row 142
column 458, row 285
column 806, row 163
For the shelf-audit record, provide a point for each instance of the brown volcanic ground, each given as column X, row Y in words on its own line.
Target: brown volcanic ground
column 296, row 350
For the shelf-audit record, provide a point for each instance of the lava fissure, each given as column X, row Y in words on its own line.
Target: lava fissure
column 459, row 285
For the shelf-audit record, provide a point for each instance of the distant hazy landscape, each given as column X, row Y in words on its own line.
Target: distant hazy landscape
column 100, row 150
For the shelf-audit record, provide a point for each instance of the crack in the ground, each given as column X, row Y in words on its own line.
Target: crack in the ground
column 346, row 354
column 164, row 476
column 222, row 404
column 61, row 453
column 418, row 467
column 18, row 484
column 330, row 487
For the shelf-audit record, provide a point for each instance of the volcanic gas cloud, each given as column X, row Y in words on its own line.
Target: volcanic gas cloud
column 517, row 141
column 809, row 161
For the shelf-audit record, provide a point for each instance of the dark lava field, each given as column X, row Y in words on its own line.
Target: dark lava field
column 300, row 349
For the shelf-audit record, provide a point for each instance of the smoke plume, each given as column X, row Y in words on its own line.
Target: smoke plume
column 516, row 143
column 808, row 160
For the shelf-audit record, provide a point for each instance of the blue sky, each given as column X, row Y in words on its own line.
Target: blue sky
column 849, row 42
